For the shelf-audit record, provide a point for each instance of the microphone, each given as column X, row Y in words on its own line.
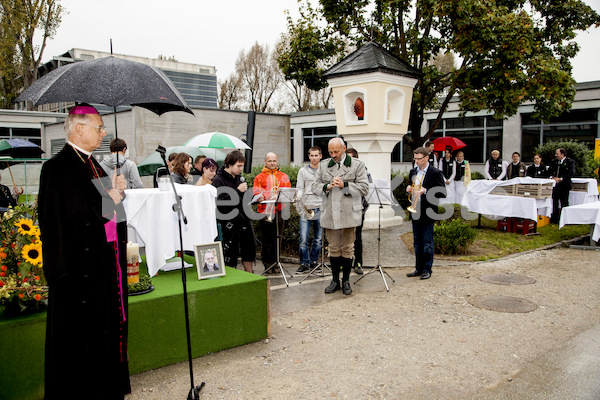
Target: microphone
column 242, row 179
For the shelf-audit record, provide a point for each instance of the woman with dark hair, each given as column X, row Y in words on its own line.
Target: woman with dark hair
column 182, row 165
column 537, row 169
column 208, row 169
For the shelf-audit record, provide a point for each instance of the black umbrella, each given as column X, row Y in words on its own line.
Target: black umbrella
column 110, row 81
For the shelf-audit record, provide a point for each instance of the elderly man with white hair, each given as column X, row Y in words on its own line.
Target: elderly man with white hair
column 495, row 168
column 342, row 181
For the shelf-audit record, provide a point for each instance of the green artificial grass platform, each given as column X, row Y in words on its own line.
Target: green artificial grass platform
column 224, row 312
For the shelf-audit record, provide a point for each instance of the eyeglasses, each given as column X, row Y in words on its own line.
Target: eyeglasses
column 99, row 128
column 417, row 159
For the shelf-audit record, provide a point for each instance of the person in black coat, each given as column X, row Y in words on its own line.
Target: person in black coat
column 561, row 170
column 537, row 169
column 84, row 253
column 430, row 188
column 6, row 198
column 235, row 224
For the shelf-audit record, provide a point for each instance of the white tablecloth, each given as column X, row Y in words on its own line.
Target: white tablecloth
column 150, row 213
column 588, row 213
column 590, row 196
column 479, row 200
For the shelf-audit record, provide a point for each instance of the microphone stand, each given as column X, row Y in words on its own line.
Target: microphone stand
column 194, row 393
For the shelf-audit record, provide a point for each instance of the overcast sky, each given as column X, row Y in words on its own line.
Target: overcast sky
column 210, row 33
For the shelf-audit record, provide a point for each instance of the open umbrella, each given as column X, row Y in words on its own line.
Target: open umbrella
column 217, row 140
column 110, row 81
column 441, row 143
column 151, row 163
column 19, row 148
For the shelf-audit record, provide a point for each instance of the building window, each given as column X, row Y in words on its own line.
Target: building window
column 317, row 137
column 580, row 125
column 481, row 134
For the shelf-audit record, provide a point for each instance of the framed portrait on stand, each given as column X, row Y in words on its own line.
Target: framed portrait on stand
column 209, row 260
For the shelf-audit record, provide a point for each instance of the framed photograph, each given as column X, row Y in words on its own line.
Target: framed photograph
column 209, row 260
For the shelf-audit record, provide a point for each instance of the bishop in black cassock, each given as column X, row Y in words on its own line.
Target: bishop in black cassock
column 84, row 249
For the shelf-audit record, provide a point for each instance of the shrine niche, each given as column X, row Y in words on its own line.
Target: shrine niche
column 355, row 107
column 395, row 101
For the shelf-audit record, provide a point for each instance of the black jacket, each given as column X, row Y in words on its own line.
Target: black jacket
column 564, row 170
column 433, row 179
column 225, row 179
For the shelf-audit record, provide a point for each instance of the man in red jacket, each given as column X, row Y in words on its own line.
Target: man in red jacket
column 267, row 183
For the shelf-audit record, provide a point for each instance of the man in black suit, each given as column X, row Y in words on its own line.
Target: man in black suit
column 561, row 170
column 84, row 248
column 429, row 188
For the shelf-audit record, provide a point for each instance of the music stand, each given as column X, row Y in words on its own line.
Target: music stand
column 322, row 264
column 284, row 195
column 379, row 193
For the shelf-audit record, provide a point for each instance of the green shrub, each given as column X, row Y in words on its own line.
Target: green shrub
column 453, row 237
column 400, row 192
column 578, row 151
column 477, row 175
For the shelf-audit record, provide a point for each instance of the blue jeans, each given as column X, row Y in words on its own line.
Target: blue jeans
column 305, row 257
column 423, row 243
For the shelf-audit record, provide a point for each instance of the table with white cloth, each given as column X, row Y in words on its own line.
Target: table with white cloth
column 588, row 213
column 150, row 213
column 478, row 199
column 590, row 196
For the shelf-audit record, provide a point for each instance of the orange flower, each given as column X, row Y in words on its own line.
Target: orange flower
column 2, row 273
column 37, row 278
column 24, row 279
column 2, row 255
column 21, row 295
column 3, row 268
column 38, row 297
column 1, row 283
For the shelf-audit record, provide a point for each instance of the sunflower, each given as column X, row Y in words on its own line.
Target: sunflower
column 32, row 253
column 26, row 226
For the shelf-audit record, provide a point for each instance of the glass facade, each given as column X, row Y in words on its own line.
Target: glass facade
column 197, row 89
column 317, row 137
column 481, row 134
column 580, row 125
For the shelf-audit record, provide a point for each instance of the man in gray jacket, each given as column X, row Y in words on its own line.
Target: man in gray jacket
column 126, row 167
column 309, row 255
column 342, row 181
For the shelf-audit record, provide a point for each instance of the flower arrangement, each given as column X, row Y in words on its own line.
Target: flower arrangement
column 22, row 284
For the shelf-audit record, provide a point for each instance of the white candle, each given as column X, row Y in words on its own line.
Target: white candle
column 133, row 250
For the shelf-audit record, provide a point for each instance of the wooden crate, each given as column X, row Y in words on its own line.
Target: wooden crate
column 535, row 190
column 506, row 190
column 579, row 187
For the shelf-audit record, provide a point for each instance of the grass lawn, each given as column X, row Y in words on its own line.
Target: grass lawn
column 491, row 243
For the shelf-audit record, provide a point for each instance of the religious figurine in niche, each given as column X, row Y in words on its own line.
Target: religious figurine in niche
column 359, row 109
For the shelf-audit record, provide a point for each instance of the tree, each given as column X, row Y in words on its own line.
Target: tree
column 258, row 75
column 509, row 51
column 229, row 92
column 19, row 58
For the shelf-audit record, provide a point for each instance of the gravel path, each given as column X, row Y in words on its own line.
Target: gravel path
column 422, row 340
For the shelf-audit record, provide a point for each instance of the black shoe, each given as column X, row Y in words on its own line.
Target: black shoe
column 346, row 289
column 414, row 273
column 358, row 269
column 302, row 269
column 333, row 287
column 426, row 275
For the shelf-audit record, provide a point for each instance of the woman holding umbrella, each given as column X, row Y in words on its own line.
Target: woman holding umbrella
column 182, row 165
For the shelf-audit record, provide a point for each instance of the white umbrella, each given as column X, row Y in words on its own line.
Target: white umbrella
column 217, row 140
